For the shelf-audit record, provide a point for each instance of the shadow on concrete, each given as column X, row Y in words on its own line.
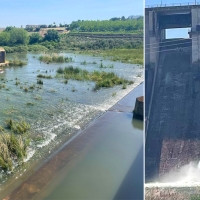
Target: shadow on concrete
column 132, row 187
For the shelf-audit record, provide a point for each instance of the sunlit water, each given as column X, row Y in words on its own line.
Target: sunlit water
column 57, row 110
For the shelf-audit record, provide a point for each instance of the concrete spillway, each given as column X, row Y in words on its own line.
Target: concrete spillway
column 173, row 134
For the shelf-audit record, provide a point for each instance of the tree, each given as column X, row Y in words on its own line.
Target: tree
column 35, row 38
column 30, row 29
column 43, row 26
column 123, row 18
column 52, row 35
column 9, row 28
column 114, row 19
column 18, row 36
column 4, row 38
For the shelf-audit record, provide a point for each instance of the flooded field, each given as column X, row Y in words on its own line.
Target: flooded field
column 55, row 110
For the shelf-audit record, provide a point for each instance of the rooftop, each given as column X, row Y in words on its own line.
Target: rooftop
column 172, row 6
column 2, row 49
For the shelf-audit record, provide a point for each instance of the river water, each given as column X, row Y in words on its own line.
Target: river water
column 56, row 111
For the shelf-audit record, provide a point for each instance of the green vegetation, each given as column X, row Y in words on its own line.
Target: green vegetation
column 39, row 81
column 80, row 42
column 44, row 76
column 134, row 56
column 33, row 48
column 14, row 36
column 195, row 197
column 35, row 38
column 18, row 127
column 54, row 58
column 102, row 79
column 16, row 62
column 118, row 38
column 52, row 35
column 13, row 145
column 106, row 66
column 118, row 25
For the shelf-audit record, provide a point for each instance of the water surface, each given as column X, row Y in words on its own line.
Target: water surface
column 56, row 110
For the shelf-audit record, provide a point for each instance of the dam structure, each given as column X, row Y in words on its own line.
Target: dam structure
column 172, row 84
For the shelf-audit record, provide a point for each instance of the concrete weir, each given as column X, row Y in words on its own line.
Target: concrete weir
column 116, row 120
column 172, row 82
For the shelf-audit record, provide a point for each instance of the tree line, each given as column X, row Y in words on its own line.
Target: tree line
column 12, row 36
column 112, row 25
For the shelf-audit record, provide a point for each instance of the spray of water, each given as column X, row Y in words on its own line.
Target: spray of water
column 186, row 176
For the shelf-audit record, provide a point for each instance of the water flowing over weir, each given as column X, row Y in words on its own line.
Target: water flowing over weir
column 61, row 112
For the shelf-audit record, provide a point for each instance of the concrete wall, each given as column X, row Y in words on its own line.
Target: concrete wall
column 2, row 56
column 173, row 138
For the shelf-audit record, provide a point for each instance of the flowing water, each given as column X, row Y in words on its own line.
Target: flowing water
column 185, row 176
column 111, row 169
column 56, row 110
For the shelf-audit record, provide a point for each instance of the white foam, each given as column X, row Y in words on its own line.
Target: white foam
column 49, row 138
column 187, row 176
column 30, row 153
column 77, row 127
column 111, row 101
column 172, row 184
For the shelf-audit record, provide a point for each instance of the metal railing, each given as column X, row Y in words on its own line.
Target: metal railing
column 194, row 3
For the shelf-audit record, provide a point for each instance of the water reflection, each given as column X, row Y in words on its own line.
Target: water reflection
column 137, row 123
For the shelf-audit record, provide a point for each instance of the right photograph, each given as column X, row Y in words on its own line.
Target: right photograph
column 172, row 100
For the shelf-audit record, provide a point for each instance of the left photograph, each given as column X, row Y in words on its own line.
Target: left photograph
column 71, row 100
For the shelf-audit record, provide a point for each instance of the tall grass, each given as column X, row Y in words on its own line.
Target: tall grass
column 16, row 62
column 13, row 145
column 102, row 79
column 12, row 148
column 18, row 127
column 134, row 56
column 54, row 59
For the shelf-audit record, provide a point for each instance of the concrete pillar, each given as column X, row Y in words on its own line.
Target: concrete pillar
column 162, row 34
column 2, row 56
column 195, row 34
column 154, row 48
column 147, row 41
column 151, row 38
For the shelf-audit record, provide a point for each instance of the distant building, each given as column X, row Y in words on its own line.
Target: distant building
column 2, row 55
column 36, row 26
column 32, row 26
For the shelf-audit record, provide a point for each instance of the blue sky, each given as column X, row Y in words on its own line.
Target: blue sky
column 23, row 12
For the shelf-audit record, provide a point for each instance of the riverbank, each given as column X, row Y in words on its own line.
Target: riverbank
column 76, row 150
column 171, row 193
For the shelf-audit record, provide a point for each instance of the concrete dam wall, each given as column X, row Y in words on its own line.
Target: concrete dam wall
column 173, row 133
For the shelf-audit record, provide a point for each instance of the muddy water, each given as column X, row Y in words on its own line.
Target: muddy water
column 56, row 110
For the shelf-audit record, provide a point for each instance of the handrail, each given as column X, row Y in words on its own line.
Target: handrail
column 173, row 4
